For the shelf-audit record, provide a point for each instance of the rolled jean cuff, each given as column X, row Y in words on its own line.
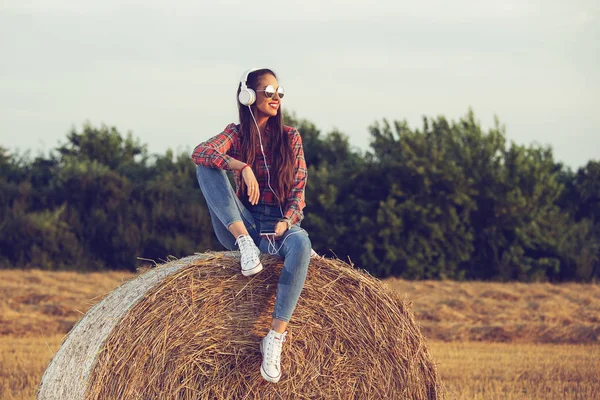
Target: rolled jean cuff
column 285, row 319
column 234, row 220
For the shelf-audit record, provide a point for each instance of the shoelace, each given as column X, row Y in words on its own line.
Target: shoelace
column 245, row 244
column 273, row 353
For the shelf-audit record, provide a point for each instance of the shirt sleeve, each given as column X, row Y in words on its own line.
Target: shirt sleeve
column 295, row 201
column 214, row 152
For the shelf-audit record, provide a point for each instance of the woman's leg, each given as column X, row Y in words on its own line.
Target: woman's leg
column 228, row 215
column 295, row 251
column 295, row 248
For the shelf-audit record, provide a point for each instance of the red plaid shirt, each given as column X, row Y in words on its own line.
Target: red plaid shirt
column 219, row 150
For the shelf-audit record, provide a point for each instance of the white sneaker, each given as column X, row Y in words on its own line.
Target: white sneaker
column 249, row 255
column 270, row 348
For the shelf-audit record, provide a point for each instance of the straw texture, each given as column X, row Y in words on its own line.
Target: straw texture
column 196, row 334
column 68, row 373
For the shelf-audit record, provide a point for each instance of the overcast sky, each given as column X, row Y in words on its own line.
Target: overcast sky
column 167, row 71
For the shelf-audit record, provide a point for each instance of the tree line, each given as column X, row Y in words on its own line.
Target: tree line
column 444, row 201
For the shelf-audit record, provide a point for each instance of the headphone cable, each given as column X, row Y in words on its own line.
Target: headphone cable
column 272, row 244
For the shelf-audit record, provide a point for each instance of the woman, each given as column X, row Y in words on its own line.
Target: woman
column 270, row 174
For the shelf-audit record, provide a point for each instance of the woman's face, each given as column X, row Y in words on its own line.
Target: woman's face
column 264, row 105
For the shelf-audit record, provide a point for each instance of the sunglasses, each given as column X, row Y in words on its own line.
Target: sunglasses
column 270, row 92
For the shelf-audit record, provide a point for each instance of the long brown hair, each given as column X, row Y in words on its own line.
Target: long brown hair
column 282, row 163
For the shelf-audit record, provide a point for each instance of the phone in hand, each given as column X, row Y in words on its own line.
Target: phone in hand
column 266, row 234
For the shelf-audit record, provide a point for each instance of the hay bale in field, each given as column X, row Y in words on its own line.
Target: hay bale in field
column 190, row 329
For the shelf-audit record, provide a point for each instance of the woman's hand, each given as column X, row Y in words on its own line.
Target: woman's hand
column 280, row 229
column 251, row 185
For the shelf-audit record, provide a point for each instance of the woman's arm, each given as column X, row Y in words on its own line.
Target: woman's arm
column 214, row 152
column 295, row 201
column 217, row 152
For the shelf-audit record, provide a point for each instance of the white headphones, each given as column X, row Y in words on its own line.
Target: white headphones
column 247, row 96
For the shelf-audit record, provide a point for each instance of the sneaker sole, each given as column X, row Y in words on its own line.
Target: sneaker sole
column 265, row 376
column 252, row 271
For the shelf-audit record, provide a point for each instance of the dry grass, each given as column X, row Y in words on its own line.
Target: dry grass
column 471, row 370
column 36, row 303
column 507, row 371
column 196, row 336
column 501, row 312
column 22, row 363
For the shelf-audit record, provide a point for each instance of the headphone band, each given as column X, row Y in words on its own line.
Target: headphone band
column 244, row 77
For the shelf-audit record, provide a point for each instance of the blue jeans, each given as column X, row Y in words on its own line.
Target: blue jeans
column 225, row 208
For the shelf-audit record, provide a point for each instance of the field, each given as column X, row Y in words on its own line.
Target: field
column 490, row 340
column 514, row 312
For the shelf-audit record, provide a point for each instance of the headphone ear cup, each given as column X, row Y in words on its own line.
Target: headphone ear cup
column 247, row 96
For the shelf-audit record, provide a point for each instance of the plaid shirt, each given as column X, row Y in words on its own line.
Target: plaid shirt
column 219, row 150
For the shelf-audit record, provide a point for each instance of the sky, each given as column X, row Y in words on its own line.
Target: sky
column 168, row 71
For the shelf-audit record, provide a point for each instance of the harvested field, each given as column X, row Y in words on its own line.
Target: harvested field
column 36, row 303
column 520, row 368
column 504, row 312
column 518, row 371
column 469, row 370
column 445, row 310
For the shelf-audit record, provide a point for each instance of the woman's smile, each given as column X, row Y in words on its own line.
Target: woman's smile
column 267, row 105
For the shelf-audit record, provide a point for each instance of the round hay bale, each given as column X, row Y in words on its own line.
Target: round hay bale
column 191, row 328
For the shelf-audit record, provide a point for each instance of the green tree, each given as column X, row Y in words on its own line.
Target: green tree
column 422, row 227
column 104, row 145
column 580, row 246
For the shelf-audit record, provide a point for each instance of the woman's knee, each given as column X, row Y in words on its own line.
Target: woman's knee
column 202, row 171
column 211, row 178
column 306, row 244
column 301, row 243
